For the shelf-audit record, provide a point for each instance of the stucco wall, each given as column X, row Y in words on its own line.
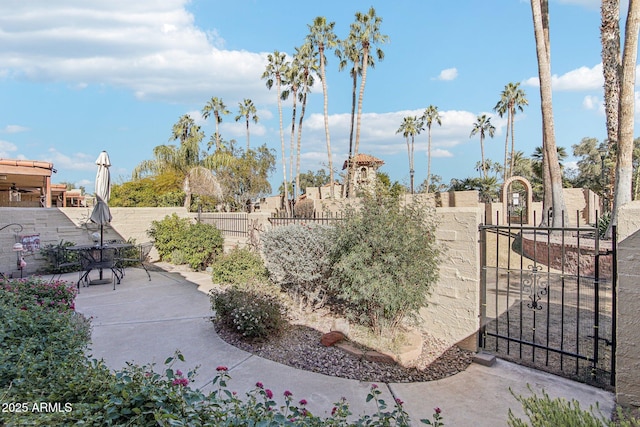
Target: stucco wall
column 453, row 312
column 628, row 326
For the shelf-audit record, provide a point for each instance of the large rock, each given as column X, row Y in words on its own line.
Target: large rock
column 330, row 338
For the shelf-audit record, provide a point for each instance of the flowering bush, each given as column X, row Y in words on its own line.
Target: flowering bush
column 34, row 291
column 250, row 313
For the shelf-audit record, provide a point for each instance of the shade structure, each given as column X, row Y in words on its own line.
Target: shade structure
column 103, row 177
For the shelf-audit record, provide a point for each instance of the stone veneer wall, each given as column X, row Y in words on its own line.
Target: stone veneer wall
column 628, row 326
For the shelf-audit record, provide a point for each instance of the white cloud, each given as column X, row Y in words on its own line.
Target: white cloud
column 150, row 48
column 76, row 162
column 448, row 74
column 7, row 149
column 580, row 79
column 14, row 129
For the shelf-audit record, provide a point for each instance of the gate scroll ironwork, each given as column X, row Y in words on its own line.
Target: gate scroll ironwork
column 548, row 298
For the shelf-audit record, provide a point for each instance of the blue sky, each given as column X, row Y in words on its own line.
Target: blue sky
column 78, row 77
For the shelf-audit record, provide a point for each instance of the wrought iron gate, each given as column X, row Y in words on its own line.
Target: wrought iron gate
column 547, row 299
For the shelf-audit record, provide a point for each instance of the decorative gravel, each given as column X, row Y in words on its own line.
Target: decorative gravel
column 299, row 346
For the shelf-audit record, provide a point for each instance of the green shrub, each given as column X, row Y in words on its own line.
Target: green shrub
column 203, row 243
column 384, row 260
column 297, row 257
column 238, row 267
column 603, row 224
column 169, row 234
column 198, row 243
column 249, row 313
column 546, row 412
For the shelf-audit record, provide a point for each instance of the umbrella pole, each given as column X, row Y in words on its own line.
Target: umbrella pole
column 101, row 244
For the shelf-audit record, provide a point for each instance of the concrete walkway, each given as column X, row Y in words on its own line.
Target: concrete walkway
column 146, row 321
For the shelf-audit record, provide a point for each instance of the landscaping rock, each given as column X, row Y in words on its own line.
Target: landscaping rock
column 377, row 357
column 330, row 338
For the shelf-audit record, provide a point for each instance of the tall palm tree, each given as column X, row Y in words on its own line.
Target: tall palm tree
column 308, row 66
column 512, row 98
column 366, row 30
column 293, row 79
column 410, row 127
column 275, row 72
column 430, row 116
column 321, row 36
column 624, row 161
column 216, row 107
column 483, row 127
column 553, row 182
column 247, row 110
column 349, row 52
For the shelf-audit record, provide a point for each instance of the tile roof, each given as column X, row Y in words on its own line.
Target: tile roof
column 364, row 159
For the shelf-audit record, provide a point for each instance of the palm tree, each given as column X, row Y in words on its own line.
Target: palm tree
column 511, row 98
column 410, row 127
column 430, row 116
column 247, row 110
column 366, row 31
column 217, row 107
column 624, row 162
column 484, row 127
column 321, row 37
column 277, row 66
column 185, row 160
column 553, row 179
column 308, row 66
column 293, row 79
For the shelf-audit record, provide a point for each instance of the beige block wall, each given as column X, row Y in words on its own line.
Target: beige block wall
column 73, row 225
column 453, row 312
column 628, row 326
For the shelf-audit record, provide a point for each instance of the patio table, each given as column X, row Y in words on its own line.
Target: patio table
column 99, row 257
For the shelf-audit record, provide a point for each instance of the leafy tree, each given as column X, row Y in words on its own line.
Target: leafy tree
column 483, row 127
column 247, row 110
column 313, row 179
column 429, row 117
column 216, row 107
column 367, row 35
column 276, row 70
column 385, row 186
column 487, row 187
column 410, row 127
column 512, row 98
column 248, row 176
column 321, row 36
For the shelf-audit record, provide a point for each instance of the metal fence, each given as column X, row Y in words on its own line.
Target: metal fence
column 317, row 218
column 548, row 299
column 231, row 224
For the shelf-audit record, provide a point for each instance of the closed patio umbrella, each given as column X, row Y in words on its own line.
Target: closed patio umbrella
column 101, row 214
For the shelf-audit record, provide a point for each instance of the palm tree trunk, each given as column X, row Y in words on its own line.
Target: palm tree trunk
column 247, row 132
column 302, row 111
column 284, row 161
column 484, row 167
column 411, row 169
column 505, row 175
column 624, row 163
column 429, row 160
column 513, row 144
column 540, row 13
column 326, row 121
column 363, row 81
column 293, row 132
column 353, row 113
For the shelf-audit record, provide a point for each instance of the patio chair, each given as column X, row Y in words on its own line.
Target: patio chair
column 64, row 261
column 133, row 257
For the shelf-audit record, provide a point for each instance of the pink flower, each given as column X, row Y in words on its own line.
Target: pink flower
column 287, row 393
column 374, row 386
column 179, row 373
column 399, row 402
column 259, row 385
column 438, row 410
column 269, row 393
column 222, row 368
column 334, row 410
column 303, row 402
column 180, row 381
